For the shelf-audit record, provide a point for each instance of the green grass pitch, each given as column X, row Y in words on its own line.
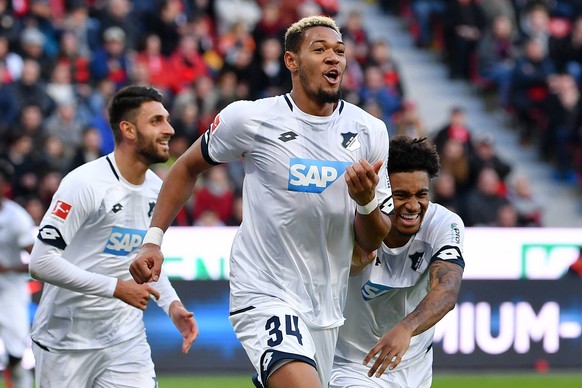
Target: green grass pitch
column 530, row 380
column 492, row 380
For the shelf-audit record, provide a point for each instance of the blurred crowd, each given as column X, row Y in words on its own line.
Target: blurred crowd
column 61, row 60
column 527, row 52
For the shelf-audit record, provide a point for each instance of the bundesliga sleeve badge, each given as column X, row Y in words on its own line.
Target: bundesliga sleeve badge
column 61, row 210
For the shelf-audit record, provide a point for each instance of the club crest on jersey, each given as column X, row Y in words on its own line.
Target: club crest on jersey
column 61, row 210
column 123, row 241
column 313, row 176
column 350, row 141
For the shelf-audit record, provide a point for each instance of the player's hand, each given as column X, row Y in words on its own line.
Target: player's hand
column 389, row 350
column 136, row 295
column 147, row 265
column 185, row 323
column 360, row 259
column 362, row 179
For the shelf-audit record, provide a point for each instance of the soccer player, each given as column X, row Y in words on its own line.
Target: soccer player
column 315, row 182
column 16, row 236
column 394, row 303
column 88, row 330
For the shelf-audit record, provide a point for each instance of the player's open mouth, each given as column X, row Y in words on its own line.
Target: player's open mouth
column 332, row 76
column 409, row 218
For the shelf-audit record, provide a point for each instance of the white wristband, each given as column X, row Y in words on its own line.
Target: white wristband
column 368, row 208
column 154, row 235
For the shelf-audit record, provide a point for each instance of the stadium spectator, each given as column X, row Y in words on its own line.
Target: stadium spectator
column 111, row 59
column 530, row 90
column 381, row 56
column 507, row 216
column 464, row 26
column 375, row 89
column 288, row 213
column 527, row 204
column 32, row 44
column 496, row 55
column 408, row 121
column 30, row 89
column 484, row 201
column 117, row 15
column 215, row 194
column 269, row 77
column 456, row 128
column 187, row 63
column 90, row 148
column 486, row 156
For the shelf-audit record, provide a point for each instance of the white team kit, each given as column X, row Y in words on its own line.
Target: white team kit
column 16, row 228
column 88, row 238
column 386, row 292
column 291, row 256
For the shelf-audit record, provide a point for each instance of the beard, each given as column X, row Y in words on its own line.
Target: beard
column 321, row 96
column 149, row 152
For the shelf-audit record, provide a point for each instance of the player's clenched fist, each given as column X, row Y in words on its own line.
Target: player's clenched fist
column 147, row 265
column 136, row 295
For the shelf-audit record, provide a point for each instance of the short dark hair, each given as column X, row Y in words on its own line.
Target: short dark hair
column 295, row 33
column 125, row 102
column 409, row 154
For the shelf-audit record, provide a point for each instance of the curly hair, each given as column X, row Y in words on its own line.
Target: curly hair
column 294, row 34
column 408, row 154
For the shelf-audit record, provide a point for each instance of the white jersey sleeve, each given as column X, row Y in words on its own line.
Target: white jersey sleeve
column 72, row 204
column 47, row 264
column 231, row 133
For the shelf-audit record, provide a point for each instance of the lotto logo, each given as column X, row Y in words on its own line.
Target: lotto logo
column 314, row 176
column 61, row 210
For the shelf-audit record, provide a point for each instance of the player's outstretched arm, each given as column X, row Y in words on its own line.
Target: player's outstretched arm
column 176, row 190
column 445, row 285
column 185, row 323
column 371, row 226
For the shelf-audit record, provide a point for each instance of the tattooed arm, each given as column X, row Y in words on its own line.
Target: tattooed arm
column 445, row 284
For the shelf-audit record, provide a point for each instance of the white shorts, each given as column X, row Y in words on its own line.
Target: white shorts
column 355, row 375
column 273, row 334
column 125, row 365
column 14, row 322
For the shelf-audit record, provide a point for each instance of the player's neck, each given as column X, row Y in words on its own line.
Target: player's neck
column 131, row 168
column 310, row 106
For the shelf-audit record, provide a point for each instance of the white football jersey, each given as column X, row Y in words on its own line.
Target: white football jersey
column 296, row 239
column 16, row 233
column 97, row 220
column 393, row 286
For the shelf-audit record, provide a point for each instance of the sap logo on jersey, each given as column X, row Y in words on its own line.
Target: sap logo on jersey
column 123, row 241
column 314, row 176
column 371, row 290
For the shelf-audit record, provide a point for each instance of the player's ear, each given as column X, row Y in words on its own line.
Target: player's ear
column 128, row 130
column 291, row 61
